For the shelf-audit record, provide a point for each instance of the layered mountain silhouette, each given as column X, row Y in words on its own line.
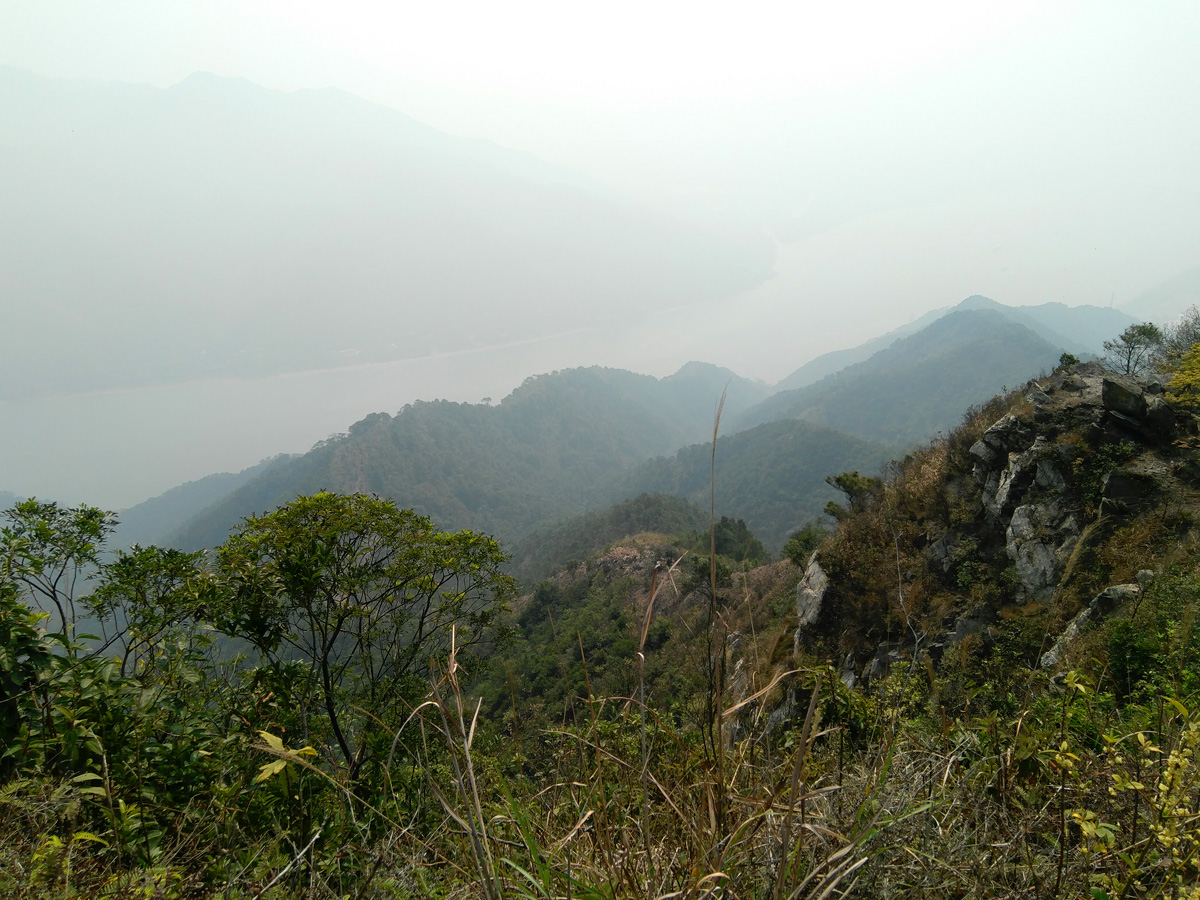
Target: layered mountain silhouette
column 545, row 452
column 920, row 384
column 578, row 441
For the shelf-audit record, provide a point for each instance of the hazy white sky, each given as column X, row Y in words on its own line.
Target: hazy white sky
column 617, row 55
column 817, row 111
column 600, row 85
column 904, row 155
column 765, row 111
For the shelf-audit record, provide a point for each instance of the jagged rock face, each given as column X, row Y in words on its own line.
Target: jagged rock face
column 1048, row 483
column 810, row 599
column 1006, row 437
column 1025, row 492
column 1004, row 488
column 1039, row 540
column 1027, row 484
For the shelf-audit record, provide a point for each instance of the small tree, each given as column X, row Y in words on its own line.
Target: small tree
column 801, row 544
column 352, row 597
column 1179, row 337
column 860, row 490
column 1184, row 386
column 148, row 597
column 47, row 552
column 1133, row 352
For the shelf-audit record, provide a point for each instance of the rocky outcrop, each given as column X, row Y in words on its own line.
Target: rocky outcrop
column 1129, row 491
column 810, row 599
column 1045, row 488
column 1123, row 396
column 1028, row 487
column 1102, row 604
column 810, row 594
column 1039, row 540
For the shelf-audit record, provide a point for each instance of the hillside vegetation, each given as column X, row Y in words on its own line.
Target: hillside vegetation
column 579, row 440
column 573, row 540
column 981, row 683
column 773, row 476
column 919, row 385
column 541, row 455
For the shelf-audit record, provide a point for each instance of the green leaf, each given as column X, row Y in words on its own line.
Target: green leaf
column 88, row 836
column 270, row 770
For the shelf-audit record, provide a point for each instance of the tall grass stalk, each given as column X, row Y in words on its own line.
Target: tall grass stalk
column 459, row 739
column 717, row 653
column 785, row 849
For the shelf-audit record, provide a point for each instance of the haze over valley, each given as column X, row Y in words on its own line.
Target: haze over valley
column 210, row 259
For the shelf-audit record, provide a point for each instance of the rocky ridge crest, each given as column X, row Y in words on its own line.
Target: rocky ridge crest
column 1074, row 456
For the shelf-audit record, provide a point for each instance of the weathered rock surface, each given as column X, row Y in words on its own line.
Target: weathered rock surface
column 1039, row 540
column 1102, row 604
column 1125, row 491
column 1123, row 396
column 810, row 599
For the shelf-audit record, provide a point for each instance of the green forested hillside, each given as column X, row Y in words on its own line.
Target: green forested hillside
column 773, row 476
column 919, row 385
column 152, row 520
column 540, row 552
column 537, row 457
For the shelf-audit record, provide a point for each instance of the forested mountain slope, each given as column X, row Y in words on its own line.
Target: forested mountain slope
column 999, row 639
column 540, row 455
column 549, row 547
column 1081, row 330
column 919, row 385
column 773, row 476
column 152, row 520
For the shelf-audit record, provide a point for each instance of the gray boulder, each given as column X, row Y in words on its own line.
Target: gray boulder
column 1123, row 396
column 1004, row 491
column 1008, row 435
column 1039, row 540
column 1124, row 491
column 810, row 599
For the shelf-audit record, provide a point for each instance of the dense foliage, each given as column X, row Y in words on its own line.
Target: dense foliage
column 540, row 553
column 547, row 452
column 772, row 476
column 178, row 761
column 189, row 776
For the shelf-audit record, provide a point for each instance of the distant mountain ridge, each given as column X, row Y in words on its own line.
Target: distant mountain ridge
column 580, row 440
column 919, row 385
column 1081, row 330
column 540, row 455
column 1168, row 300
column 150, row 521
